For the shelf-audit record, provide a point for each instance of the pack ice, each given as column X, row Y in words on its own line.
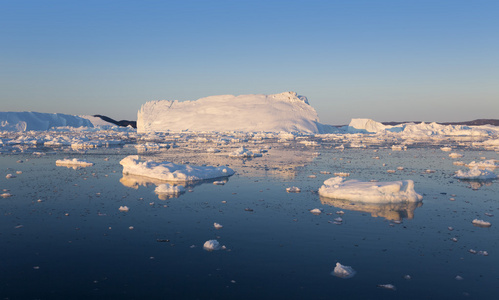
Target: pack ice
column 373, row 192
column 169, row 171
column 287, row 112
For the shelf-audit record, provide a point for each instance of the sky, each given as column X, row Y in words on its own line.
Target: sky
column 384, row 60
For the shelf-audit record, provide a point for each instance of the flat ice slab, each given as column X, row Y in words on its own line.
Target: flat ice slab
column 373, row 192
column 169, row 171
column 74, row 162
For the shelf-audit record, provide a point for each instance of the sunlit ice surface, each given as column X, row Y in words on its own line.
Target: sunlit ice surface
column 64, row 235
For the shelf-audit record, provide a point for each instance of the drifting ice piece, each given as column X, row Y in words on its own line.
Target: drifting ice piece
column 171, row 172
column 373, row 192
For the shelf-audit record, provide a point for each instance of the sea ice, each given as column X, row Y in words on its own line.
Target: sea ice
column 211, row 245
column 73, row 162
column 342, row 271
column 293, row 189
column 123, row 208
column 316, row 211
column 455, row 155
column 217, row 226
column 387, row 286
column 243, row 152
column 487, row 164
column 374, row 192
column 481, row 223
column 172, row 172
column 475, row 173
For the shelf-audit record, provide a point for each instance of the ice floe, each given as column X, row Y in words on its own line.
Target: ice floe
column 74, row 162
column 342, row 271
column 211, row 245
column 486, row 164
column 293, row 189
column 481, row 223
column 375, row 192
column 243, row 153
column 475, row 173
column 169, row 171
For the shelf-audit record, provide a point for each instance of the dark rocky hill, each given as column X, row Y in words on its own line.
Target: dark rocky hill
column 122, row 123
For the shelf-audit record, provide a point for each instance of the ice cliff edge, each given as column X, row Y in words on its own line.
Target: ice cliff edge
column 287, row 111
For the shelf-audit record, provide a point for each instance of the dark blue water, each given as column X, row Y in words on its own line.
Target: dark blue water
column 75, row 244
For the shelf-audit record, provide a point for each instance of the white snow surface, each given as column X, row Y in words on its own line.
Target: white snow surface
column 169, row 171
column 370, row 192
column 286, row 112
column 475, row 173
column 26, row 121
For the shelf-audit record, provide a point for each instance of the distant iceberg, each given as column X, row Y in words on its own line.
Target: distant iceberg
column 287, row 112
column 27, row 121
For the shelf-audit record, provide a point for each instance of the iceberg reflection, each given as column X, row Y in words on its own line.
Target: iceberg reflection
column 389, row 211
column 135, row 181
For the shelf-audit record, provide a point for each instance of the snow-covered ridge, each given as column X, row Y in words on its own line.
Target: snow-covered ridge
column 26, row 121
column 286, row 112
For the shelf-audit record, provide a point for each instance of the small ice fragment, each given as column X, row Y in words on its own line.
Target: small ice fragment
column 452, row 199
column 450, row 228
column 218, row 182
column 124, row 208
column 342, row 271
column 340, row 212
column 8, row 176
column 387, row 286
column 338, row 219
column 481, row 223
column 131, row 227
column 293, row 189
column 472, row 251
column 458, row 277
column 19, row 172
column 488, row 214
column 325, row 172
column 211, row 245
column 232, row 281
column 483, row 252
column 430, row 171
column 312, row 176
column 217, row 226
column 36, row 268
column 316, row 211
column 400, row 168
column 341, row 174
column 6, row 195
column 454, row 239
column 407, row 277
column 390, row 171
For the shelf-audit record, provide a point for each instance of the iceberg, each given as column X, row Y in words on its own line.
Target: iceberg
column 27, row 121
column 169, row 171
column 371, row 192
column 342, row 271
column 287, row 112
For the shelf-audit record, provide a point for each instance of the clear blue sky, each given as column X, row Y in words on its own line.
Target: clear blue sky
column 384, row 60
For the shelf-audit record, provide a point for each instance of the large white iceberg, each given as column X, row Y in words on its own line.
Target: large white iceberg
column 26, row 121
column 374, row 192
column 287, row 112
column 169, row 171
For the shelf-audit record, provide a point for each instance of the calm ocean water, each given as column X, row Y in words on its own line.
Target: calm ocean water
column 63, row 237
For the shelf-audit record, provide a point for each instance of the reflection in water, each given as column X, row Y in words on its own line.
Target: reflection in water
column 135, row 181
column 389, row 211
column 476, row 184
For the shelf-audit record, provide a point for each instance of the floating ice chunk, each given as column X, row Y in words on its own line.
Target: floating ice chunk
column 243, row 152
column 342, row 174
column 74, row 162
column 325, row 172
column 387, row 286
column 217, row 226
column 6, row 195
column 293, row 189
column 481, row 223
column 458, row 163
column 407, row 277
column 342, row 271
column 338, row 219
column 391, row 171
column 219, row 182
column 172, row 172
column 399, row 147
column 212, row 150
column 488, row 164
column 446, row 149
column 316, row 211
column 455, row 155
column 373, row 192
column 123, row 208
column 168, row 189
column 475, row 173
column 211, row 245
column 458, row 278
column 8, row 176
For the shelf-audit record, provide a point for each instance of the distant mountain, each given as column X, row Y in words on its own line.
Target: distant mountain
column 122, row 123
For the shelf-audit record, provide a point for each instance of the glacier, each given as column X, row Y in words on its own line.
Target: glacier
column 27, row 121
